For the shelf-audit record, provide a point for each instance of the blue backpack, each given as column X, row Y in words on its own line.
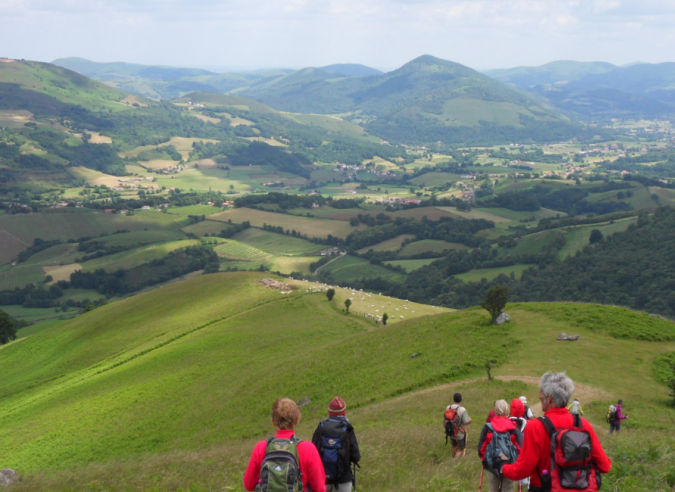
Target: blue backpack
column 334, row 448
column 499, row 449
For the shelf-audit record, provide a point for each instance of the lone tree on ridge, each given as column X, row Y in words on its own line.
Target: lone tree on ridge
column 330, row 293
column 385, row 317
column 7, row 328
column 596, row 236
column 495, row 300
column 348, row 303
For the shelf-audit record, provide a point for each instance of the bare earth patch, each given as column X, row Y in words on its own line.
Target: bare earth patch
column 61, row 272
column 97, row 138
column 275, row 284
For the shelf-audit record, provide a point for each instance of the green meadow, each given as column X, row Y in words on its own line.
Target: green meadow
column 170, row 390
column 350, row 268
column 65, row 226
column 489, row 273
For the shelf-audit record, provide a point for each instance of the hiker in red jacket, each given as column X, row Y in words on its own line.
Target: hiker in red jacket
column 285, row 416
column 500, row 424
column 555, row 390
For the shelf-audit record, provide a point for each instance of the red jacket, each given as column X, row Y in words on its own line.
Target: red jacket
column 499, row 424
column 311, row 466
column 536, row 453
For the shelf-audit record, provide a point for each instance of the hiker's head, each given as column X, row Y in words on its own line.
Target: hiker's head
column 457, row 397
column 501, row 408
column 285, row 414
column 517, row 408
column 523, row 399
column 555, row 390
column 337, row 407
column 620, row 402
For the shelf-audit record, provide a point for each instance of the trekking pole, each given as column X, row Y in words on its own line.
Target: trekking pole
column 480, row 484
column 501, row 483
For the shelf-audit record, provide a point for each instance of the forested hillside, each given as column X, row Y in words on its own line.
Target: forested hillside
column 635, row 268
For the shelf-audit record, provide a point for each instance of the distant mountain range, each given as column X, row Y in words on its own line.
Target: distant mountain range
column 162, row 82
column 426, row 100
column 599, row 89
column 552, row 73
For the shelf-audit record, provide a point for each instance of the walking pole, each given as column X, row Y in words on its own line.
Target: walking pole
column 520, row 486
column 480, row 485
column 501, row 482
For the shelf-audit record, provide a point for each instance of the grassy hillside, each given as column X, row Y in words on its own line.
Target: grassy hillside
column 45, row 88
column 168, row 390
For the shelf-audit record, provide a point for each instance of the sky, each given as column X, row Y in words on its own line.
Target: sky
column 385, row 34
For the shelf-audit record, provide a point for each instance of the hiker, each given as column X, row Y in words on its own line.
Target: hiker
column 456, row 420
column 535, row 459
column 499, row 443
column 335, row 440
column 276, row 460
column 517, row 414
column 518, row 418
column 615, row 417
column 575, row 408
column 528, row 411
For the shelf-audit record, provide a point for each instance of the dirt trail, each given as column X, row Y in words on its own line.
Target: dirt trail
column 583, row 392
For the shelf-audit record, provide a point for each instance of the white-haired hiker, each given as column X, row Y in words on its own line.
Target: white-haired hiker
column 555, row 391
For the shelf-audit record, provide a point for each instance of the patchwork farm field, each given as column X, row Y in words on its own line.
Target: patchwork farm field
column 61, row 254
column 64, row 226
column 129, row 259
column 241, row 251
column 349, row 268
column 20, row 276
column 411, row 265
column 490, row 273
column 278, row 243
column 310, row 226
column 392, row 244
column 432, row 245
column 578, row 237
column 11, row 247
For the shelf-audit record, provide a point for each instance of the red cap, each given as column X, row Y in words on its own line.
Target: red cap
column 337, row 406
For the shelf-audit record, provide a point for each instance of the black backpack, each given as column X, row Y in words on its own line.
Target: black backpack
column 334, row 448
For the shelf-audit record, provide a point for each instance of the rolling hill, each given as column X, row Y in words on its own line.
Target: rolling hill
column 563, row 71
column 161, row 82
column 351, row 70
column 170, row 390
column 426, row 100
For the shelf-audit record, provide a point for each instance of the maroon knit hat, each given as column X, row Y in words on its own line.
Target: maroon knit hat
column 337, row 406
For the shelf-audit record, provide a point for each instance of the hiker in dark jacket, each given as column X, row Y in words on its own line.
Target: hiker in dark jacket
column 336, row 429
column 500, row 424
column 555, row 390
column 615, row 425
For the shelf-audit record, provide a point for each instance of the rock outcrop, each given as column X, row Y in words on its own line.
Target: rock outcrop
column 8, row 477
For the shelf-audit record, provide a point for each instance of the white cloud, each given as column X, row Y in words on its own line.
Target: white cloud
column 383, row 33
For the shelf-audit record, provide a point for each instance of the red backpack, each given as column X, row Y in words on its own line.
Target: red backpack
column 452, row 423
column 571, row 465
